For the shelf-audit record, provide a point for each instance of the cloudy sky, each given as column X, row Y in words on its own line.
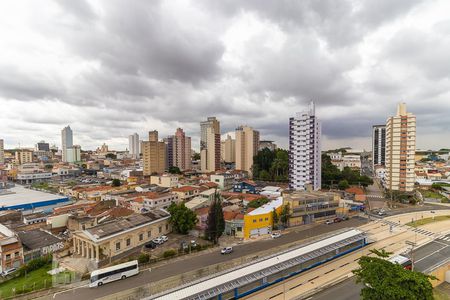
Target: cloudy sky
column 110, row 68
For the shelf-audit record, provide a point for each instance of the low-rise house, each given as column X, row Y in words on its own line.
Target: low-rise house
column 118, row 238
column 245, row 186
column 144, row 202
column 186, row 193
column 202, row 218
column 224, row 181
column 11, row 250
column 34, row 218
column 165, row 180
column 234, row 224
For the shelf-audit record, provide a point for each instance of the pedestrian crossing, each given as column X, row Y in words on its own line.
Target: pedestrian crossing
column 445, row 238
column 375, row 196
column 415, row 229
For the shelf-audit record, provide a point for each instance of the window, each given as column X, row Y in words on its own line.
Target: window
column 8, row 256
column 254, row 220
column 141, row 236
column 149, row 234
column 260, row 219
column 117, row 246
column 167, row 227
column 160, row 229
column 266, row 219
column 16, row 254
column 128, row 242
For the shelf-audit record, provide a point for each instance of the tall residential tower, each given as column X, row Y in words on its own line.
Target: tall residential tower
column 178, row 150
column 247, row 142
column 133, row 145
column 378, row 145
column 305, row 150
column 210, row 145
column 66, row 141
column 400, row 150
column 154, row 154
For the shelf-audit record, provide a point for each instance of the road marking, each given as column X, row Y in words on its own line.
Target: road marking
column 72, row 289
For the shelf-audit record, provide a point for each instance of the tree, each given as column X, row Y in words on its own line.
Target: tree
column 285, row 215
column 174, row 170
column 384, row 280
column 115, row 182
column 181, row 218
column 196, row 156
column 111, row 156
column 215, row 222
column 264, row 175
column 257, row 203
column 343, row 185
column 275, row 219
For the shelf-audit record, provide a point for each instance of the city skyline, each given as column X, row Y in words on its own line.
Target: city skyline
column 356, row 67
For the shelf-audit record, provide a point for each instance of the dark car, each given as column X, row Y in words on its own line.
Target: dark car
column 151, row 245
column 337, row 220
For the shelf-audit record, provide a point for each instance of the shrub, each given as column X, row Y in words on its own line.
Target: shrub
column 35, row 264
column 143, row 258
column 169, row 253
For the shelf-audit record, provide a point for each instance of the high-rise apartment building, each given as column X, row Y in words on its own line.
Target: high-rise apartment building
column 133, row 145
column 378, row 145
column 178, row 150
column 73, row 154
column 400, row 150
column 154, row 154
column 66, row 141
column 228, row 150
column 305, row 150
column 182, row 150
column 210, row 145
column 247, row 142
column 2, row 152
column 211, row 122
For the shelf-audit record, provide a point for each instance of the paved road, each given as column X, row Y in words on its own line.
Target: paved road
column 201, row 261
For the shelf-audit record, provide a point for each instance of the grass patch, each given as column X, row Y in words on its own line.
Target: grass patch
column 35, row 280
column 428, row 220
column 432, row 194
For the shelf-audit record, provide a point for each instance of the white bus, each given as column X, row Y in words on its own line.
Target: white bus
column 122, row 271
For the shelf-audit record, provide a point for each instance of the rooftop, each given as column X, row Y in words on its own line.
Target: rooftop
column 268, row 207
column 20, row 195
column 36, row 239
column 119, row 225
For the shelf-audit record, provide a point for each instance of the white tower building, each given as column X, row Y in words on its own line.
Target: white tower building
column 133, row 145
column 305, row 150
column 66, row 141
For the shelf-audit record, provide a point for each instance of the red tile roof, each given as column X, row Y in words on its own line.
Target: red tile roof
column 355, row 190
column 185, row 189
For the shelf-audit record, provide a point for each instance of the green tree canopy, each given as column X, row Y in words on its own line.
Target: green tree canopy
column 271, row 165
column 285, row 215
column 174, row 170
column 115, row 182
column 343, row 185
column 182, row 218
column 215, row 222
column 275, row 219
column 384, row 280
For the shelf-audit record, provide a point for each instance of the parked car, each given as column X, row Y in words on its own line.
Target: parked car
column 193, row 243
column 337, row 220
column 158, row 241
column 226, row 250
column 275, row 235
column 164, row 238
column 7, row 272
column 151, row 245
column 328, row 222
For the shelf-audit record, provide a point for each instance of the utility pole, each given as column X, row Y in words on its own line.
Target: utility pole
column 411, row 253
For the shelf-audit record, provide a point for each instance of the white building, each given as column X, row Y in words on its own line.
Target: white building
column 134, row 145
column 66, row 141
column 73, row 154
column 305, row 150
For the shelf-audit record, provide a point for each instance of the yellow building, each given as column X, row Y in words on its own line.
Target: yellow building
column 260, row 221
column 24, row 157
column 154, row 154
column 247, row 142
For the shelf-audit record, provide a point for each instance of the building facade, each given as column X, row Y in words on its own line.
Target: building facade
column 400, row 150
column 66, row 141
column 154, row 154
column 24, row 157
column 378, row 145
column 179, row 150
column 117, row 238
column 11, row 250
column 247, row 143
column 211, row 122
column 228, row 150
column 133, row 145
column 305, row 150
column 267, row 144
column 210, row 156
column 73, row 154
